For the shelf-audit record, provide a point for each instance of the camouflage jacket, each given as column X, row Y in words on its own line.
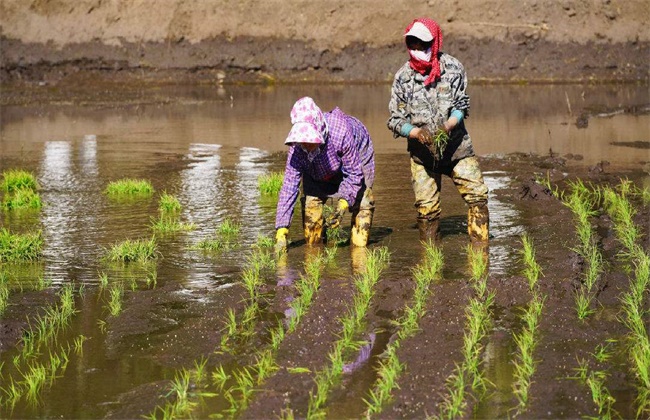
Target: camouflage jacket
column 411, row 102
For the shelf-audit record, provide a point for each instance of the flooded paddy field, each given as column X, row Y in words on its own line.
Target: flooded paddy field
column 184, row 335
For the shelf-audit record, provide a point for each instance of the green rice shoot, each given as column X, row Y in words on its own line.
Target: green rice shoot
column 141, row 250
column 20, row 247
column 16, row 179
column 22, row 198
column 129, row 187
column 270, row 184
column 169, row 204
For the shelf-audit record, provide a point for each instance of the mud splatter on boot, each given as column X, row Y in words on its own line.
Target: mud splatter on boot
column 478, row 222
column 429, row 229
column 361, row 227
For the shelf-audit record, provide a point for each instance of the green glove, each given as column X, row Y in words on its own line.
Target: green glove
column 334, row 220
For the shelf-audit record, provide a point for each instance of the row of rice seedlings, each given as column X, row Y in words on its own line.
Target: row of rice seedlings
column 139, row 250
column 352, row 325
column 638, row 343
column 21, row 190
column 270, row 184
column 595, row 380
column 479, row 314
column 258, row 261
column 527, row 339
column 621, row 211
column 390, row 367
column 20, row 247
column 582, row 201
column 129, row 187
column 250, row 377
column 169, row 209
column 227, row 234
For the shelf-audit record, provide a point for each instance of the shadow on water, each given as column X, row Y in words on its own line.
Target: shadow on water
column 208, row 150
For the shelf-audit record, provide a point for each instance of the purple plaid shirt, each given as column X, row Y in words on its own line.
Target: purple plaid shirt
column 345, row 163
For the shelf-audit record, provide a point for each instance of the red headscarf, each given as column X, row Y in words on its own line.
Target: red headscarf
column 433, row 65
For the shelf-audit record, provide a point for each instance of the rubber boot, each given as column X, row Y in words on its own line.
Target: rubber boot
column 429, row 229
column 313, row 222
column 359, row 258
column 478, row 222
column 361, row 227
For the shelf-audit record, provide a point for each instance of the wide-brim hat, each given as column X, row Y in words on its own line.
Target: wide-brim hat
column 304, row 132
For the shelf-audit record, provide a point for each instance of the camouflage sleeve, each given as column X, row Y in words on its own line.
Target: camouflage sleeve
column 399, row 118
column 459, row 91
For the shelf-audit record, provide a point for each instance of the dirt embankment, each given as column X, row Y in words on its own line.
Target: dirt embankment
column 291, row 40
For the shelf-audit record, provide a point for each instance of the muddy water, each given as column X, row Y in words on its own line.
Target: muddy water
column 208, row 146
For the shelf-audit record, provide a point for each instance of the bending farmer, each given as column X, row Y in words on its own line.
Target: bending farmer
column 428, row 106
column 332, row 154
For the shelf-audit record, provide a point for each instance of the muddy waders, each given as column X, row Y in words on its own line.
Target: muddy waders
column 361, row 219
column 468, row 179
column 478, row 222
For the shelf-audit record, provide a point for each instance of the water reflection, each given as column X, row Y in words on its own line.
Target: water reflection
column 505, row 222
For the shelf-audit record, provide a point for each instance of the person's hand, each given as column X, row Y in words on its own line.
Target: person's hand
column 422, row 134
column 334, row 220
column 281, row 239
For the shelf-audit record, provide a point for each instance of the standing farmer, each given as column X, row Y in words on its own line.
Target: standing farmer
column 427, row 106
column 332, row 154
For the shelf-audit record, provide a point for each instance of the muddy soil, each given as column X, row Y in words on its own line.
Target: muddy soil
column 58, row 42
column 158, row 324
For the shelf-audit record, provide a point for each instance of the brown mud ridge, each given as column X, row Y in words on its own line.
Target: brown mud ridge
column 271, row 60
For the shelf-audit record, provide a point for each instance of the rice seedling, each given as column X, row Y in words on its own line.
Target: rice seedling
column 103, row 280
column 219, row 377
column 454, row 403
column 226, row 239
column 229, row 229
column 13, row 393
column 168, row 205
column 20, row 247
column 546, row 183
column 34, row 380
column 532, row 270
column 116, row 297
column 129, row 187
column 622, row 212
column 141, row 250
column 22, row 199
column 264, row 242
column 170, row 224
column 199, row 371
column 42, row 283
column 270, row 184
column 4, row 297
column 17, row 179
column 526, row 342
column 78, row 343
column 180, row 389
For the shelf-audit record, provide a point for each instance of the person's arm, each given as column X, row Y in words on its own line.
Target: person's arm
column 289, row 191
column 399, row 121
column 460, row 107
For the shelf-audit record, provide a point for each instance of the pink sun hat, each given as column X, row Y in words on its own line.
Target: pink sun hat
column 308, row 122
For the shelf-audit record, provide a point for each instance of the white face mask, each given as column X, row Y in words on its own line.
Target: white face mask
column 421, row 55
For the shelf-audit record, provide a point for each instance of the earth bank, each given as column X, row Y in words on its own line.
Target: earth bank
column 53, row 41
